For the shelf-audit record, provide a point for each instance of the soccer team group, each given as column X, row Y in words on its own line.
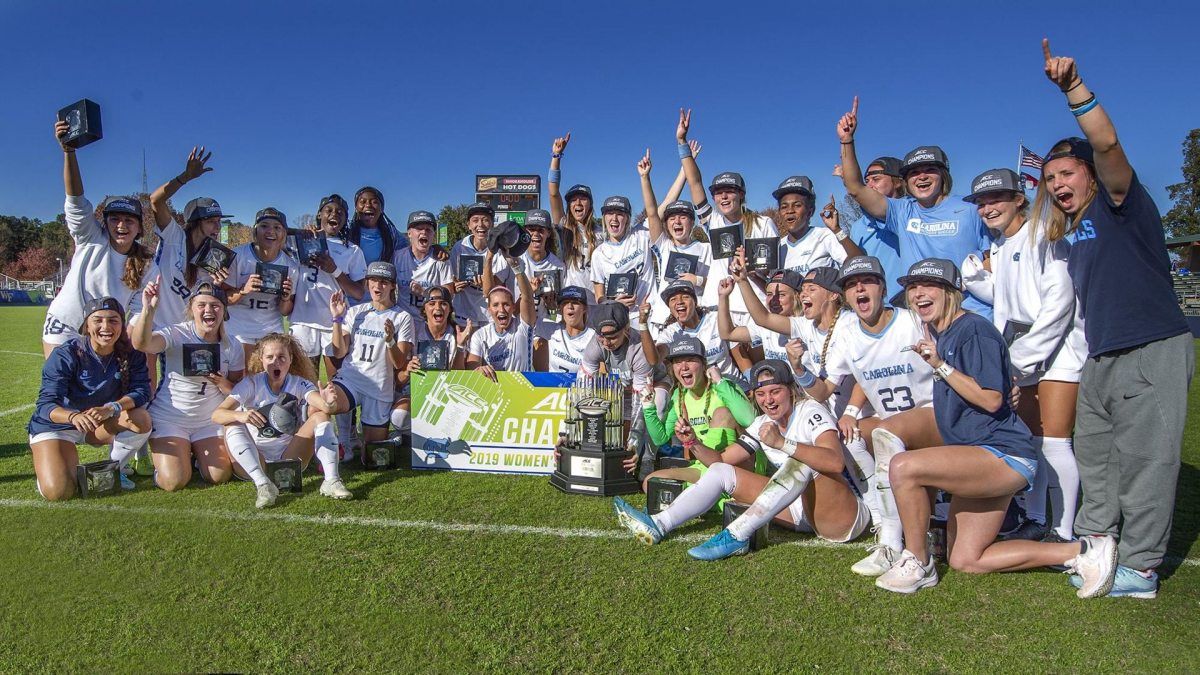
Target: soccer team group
column 937, row 357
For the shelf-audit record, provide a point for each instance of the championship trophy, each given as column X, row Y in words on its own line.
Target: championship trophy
column 661, row 493
column 286, row 474
column 83, row 116
column 272, row 278
column 594, row 444
column 98, row 478
column 730, row 513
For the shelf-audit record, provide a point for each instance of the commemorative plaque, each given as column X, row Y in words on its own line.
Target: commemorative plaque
column 661, row 493
column 83, row 116
column 762, row 255
column 201, row 359
column 679, row 264
column 96, row 479
column 393, row 453
column 213, row 256
column 621, row 283
column 731, row 512
column 725, row 241
column 310, row 245
column 272, row 277
column 286, row 474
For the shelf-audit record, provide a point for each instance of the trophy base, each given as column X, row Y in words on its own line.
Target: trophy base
column 661, row 493
column 586, row 472
column 661, row 463
column 731, row 512
column 96, row 479
column 286, row 474
column 389, row 454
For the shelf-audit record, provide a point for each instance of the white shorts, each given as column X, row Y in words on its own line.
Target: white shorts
column 190, row 432
column 861, row 521
column 271, row 449
column 315, row 341
column 1066, row 365
column 373, row 412
column 69, row 435
column 55, row 332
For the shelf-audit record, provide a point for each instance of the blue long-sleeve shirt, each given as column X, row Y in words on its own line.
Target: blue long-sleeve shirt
column 76, row 378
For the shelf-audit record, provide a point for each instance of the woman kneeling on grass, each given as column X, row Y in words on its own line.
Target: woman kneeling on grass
column 94, row 390
column 988, row 458
column 279, row 373
column 807, row 493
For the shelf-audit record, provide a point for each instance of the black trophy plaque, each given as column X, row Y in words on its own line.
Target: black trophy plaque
column 469, row 267
column 310, row 245
column 213, row 256
column 621, row 283
column 201, row 359
column 551, row 282
column 662, row 462
column 272, row 277
column 725, row 241
column 83, row 116
column 96, row 479
column 661, row 493
column 394, row 453
column 594, row 445
column 434, row 354
column 731, row 512
column 286, row 474
column 679, row 264
column 762, row 255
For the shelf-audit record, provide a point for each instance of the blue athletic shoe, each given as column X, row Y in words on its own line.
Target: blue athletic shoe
column 1128, row 584
column 637, row 521
column 126, row 482
column 722, row 545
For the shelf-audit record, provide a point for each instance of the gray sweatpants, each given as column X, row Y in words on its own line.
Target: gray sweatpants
column 1128, row 437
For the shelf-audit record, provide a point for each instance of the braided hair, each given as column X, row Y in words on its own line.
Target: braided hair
column 387, row 230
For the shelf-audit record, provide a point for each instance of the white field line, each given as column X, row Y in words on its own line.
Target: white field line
column 5, row 351
column 394, row 523
column 13, row 411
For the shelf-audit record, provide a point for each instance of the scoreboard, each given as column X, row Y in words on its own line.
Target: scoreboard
column 509, row 196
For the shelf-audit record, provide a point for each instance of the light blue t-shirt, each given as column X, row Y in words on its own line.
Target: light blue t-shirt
column 371, row 243
column 873, row 237
column 951, row 230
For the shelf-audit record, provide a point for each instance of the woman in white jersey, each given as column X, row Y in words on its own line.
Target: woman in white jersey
column 257, row 305
column 679, row 255
column 466, row 266
column 342, row 268
column 625, row 250
column 807, row 491
column 804, row 246
column 1033, row 304
column 688, row 318
column 418, row 268
column 773, row 335
column 506, row 342
column 436, row 328
column 109, row 259
column 278, row 386
column 201, row 366
column 573, row 214
column 559, row 347
column 545, row 270
column 373, row 339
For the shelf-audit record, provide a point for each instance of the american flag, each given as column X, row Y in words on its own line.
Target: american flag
column 1033, row 161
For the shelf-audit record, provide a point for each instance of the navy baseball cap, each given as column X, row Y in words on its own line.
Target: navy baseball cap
column 577, row 191
column 825, row 277
column 334, row 198
column 215, row 291
column 676, row 287
column 938, row 270
column 437, row 293
column 790, row 278
column 537, row 218
column 680, row 206
column 888, row 166
column 924, row 154
column 480, row 208
column 508, row 237
column 728, row 179
column 861, row 264
column 994, row 180
column 616, row 203
column 572, row 294
column 381, row 269
column 100, row 304
column 612, row 314
column 684, row 345
column 270, row 213
column 201, row 208
column 422, row 218
column 128, row 205
column 1077, row 147
column 801, row 185
column 779, row 372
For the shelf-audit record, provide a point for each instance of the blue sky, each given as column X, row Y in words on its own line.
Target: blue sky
column 298, row 100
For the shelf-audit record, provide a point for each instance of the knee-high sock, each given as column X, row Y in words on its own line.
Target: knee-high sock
column 242, row 448
column 887, row 445
column 786, row 486
column 400, row 420
column 125, row 444
column 698, row 498
column 866, row 470
column 1063, row 483
column 345, row 428
column 326, row 444
column 1035, row 499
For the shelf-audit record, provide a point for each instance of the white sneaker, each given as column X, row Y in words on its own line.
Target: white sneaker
column 267, row 493
column 1096, row 565
column 908, row 575
column 336, row 489
column 879, row 560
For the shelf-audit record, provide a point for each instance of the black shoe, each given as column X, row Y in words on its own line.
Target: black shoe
column 1053, row 538
column 1029, row 530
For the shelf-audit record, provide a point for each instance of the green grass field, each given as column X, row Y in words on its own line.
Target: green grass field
column 455, row 572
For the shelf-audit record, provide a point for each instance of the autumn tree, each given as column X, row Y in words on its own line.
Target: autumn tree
column 1184, row 217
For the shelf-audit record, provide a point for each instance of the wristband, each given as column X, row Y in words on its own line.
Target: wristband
column 850, row 142
column 1085, row 108
column 841, row 235
column 116, row 408
column 685, row 151
column 1077, row 106
column 555, row 176
column 556, row 155
column 1078, row 84
column 806, row 380
column 518, row 266
column 71, row 418
column 390, row 342
column 852, row 410
column 789, row 447
column 944, row 371
column 339, row 320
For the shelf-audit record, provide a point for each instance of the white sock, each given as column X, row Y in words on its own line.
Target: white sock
column 1035, row 499
column 1063, row 483
column 860, row 464
column 399, row 419
column 698, row 498
column 125, row 444
column 326, row 443
column 242, row 448
column 891, row 533
column 786, row 486
column 345, row 428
